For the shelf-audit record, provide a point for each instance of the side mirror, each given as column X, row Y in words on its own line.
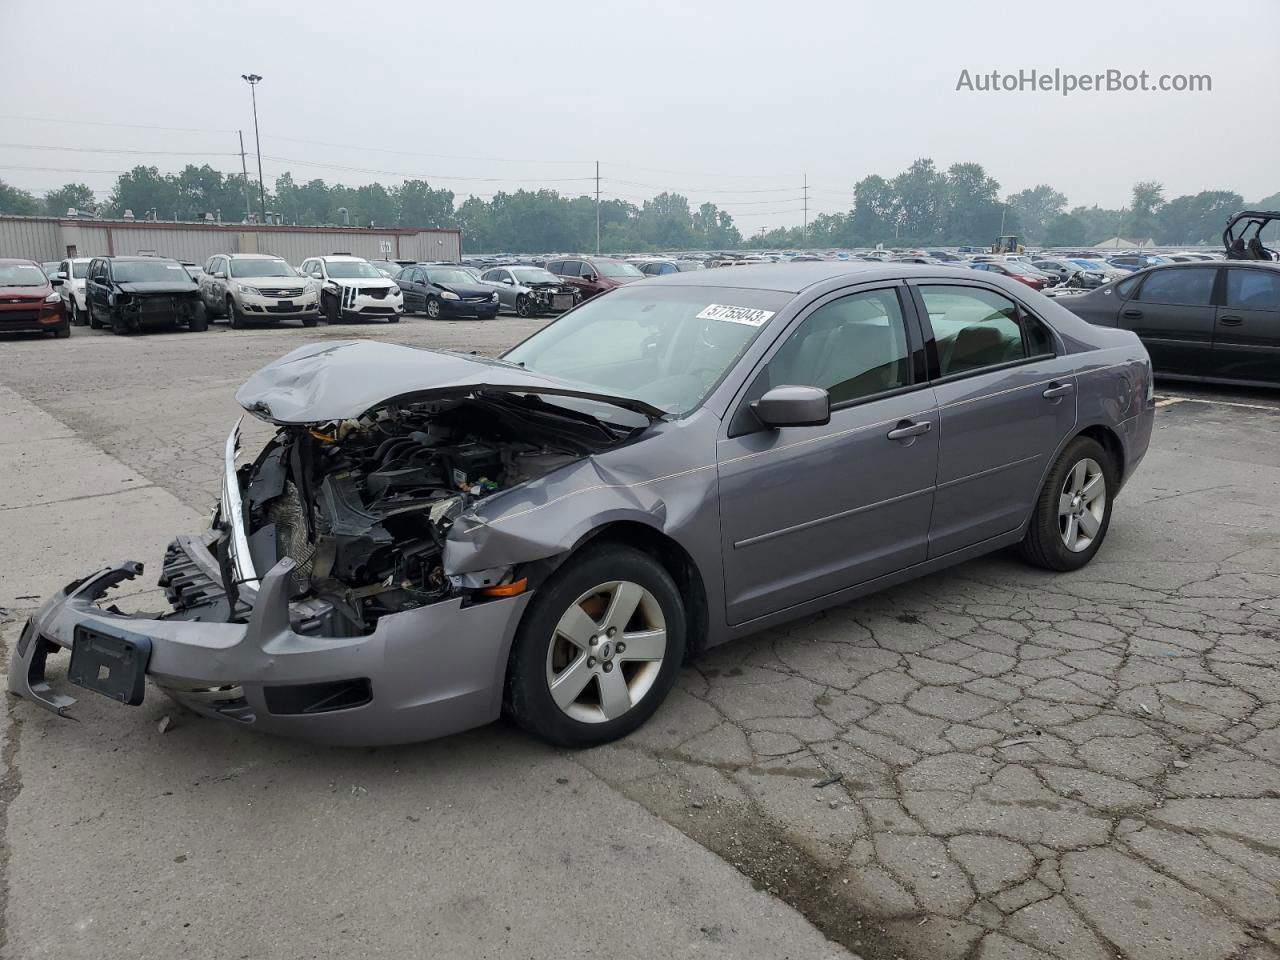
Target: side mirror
column 792, row 406
column 61, row 274
column 219, row 275
column 509, row 282
column 56, row 280
column 590, row 278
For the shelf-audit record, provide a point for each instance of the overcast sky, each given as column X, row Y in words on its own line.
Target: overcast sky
column 729, row 102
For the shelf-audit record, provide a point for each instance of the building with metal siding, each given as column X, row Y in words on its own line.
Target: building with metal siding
column 51, row 238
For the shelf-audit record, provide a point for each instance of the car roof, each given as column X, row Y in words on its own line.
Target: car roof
column 795, row 277
column 9, row 261
column 337, row 257
column 250, row 256
column 139, row 259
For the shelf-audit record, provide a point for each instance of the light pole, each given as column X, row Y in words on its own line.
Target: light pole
column 253, row 80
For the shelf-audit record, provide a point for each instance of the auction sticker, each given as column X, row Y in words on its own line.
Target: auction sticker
column 745, row 315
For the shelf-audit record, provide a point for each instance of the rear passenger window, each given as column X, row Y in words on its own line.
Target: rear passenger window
column 853, row 347
column 977, row 328
column 1179, row 286
column 1253, row 289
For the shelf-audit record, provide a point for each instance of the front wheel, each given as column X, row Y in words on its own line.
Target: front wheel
column 332, row 310
column 77, row 320
column 198, row 318
column 433, row 308
column 1073, row 512
column 310, row 321
column 598, row 650
column 523, row 308
column 94, row 322
column 235, row 319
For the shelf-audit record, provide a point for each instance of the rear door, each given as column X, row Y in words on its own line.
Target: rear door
column 808, row 511
column 1006, row 400
column 1246, row 336
column 1173, row 314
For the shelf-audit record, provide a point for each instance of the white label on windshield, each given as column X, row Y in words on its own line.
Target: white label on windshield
column 174, row 266
column 747, row 315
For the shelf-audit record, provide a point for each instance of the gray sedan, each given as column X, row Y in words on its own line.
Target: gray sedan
column 530, row 291
column 431, row 538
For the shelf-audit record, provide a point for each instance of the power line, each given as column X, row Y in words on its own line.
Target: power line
column 140, row 153
column 421, row 176
column 100, row 123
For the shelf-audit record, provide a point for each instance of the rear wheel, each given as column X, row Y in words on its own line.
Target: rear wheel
column 598, row 649
column 1073, row 512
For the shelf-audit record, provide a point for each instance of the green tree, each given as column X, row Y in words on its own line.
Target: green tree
column 1065, row 230
column 1034, row 209
column 1267, row 203
column 420, row 206
column 77, row 196
column 1099, row 223
column 18, row 202
column 972, row 204
column 1142, row 221
column 921, row 200
column 144, row 189
column 875, row 210
column 1199, row 218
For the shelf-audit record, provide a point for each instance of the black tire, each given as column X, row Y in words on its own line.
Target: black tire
column 394, row 318
column 522, row 306
column 332, row 311
column 94, row 322
column 310, row 321
column 62, row 332
column 235, row 319
column 528, row 696
column 120, row 326
column 432, row 308
column 198, row 319
column 1044, row 544
column 77, row 319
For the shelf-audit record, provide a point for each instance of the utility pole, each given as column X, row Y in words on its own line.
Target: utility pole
column 253, row 80
column 597, row 208
column 244, row 167
column 806, row 210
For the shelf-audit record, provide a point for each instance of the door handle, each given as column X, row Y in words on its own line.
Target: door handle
column 1230, row 321
column 1059, row 390
column 1132, row 314
column 908, row 428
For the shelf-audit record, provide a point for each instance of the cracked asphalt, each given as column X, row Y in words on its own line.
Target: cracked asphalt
column 992, row 763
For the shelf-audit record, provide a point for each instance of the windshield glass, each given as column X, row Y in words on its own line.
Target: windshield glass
column 447, row 277
column 611, row 268
column 667, row 346
column 1014, row 266
column 80, row 270
column 21, row 275
column 534, row 275
column 148, row 271
column 353, row 270
column 261, row 268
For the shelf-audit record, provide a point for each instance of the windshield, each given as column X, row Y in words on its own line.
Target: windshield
column 261, row 268
column 446, row 277
column 148, row 271
column 80, row 270
column 535, row 275
column 21, row 275
column 667, row 346
column 353, row 270
column 611, row 268
column 1013, row 266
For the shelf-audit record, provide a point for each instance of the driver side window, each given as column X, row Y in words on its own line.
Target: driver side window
column 854, row 347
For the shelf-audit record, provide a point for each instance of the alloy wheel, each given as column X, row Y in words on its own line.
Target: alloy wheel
column 1082, row 505
column 606, row 652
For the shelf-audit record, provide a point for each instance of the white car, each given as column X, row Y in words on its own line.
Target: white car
column 72, row 271
column 351, row 288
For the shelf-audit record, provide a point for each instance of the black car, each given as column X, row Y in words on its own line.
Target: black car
column 440, row 291
column 129, row 293
column 1201, row 321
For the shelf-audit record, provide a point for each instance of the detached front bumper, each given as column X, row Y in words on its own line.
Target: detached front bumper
column 425, row 673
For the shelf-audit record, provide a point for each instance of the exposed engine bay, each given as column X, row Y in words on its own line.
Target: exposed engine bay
column 363, row 507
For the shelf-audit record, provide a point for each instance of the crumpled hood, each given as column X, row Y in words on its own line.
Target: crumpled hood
column 345, row 379
column 145, row 287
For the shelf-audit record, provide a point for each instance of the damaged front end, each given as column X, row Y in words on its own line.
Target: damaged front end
column 319, row 602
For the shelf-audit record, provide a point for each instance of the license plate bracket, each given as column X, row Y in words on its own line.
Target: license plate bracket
column 286, row 304
column 110, row 662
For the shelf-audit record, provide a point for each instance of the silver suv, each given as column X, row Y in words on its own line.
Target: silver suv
column 246, row 287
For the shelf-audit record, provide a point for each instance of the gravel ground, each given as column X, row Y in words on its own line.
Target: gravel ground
column 1017, row 765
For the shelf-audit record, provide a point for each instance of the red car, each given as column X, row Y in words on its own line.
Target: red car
column 1015, row 270
column 28, row 302
column 592, row 275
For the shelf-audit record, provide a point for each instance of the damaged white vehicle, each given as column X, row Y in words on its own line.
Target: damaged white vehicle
column 430, row 537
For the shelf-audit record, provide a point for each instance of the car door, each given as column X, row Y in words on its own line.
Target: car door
column 504, row 282
column 1173, row 314
column 807, row 511
column 572, row 271
column 1006, row 400
column 1246, row 335
column 98, row 289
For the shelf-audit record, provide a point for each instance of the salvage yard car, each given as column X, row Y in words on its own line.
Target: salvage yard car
column 129, row 294
column 430, row 536
column 29, row 300
column 72, row 273
column 245, row 287
column 447, row 291
column 1215, row 321
column 352, row 289
column 530, row 291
